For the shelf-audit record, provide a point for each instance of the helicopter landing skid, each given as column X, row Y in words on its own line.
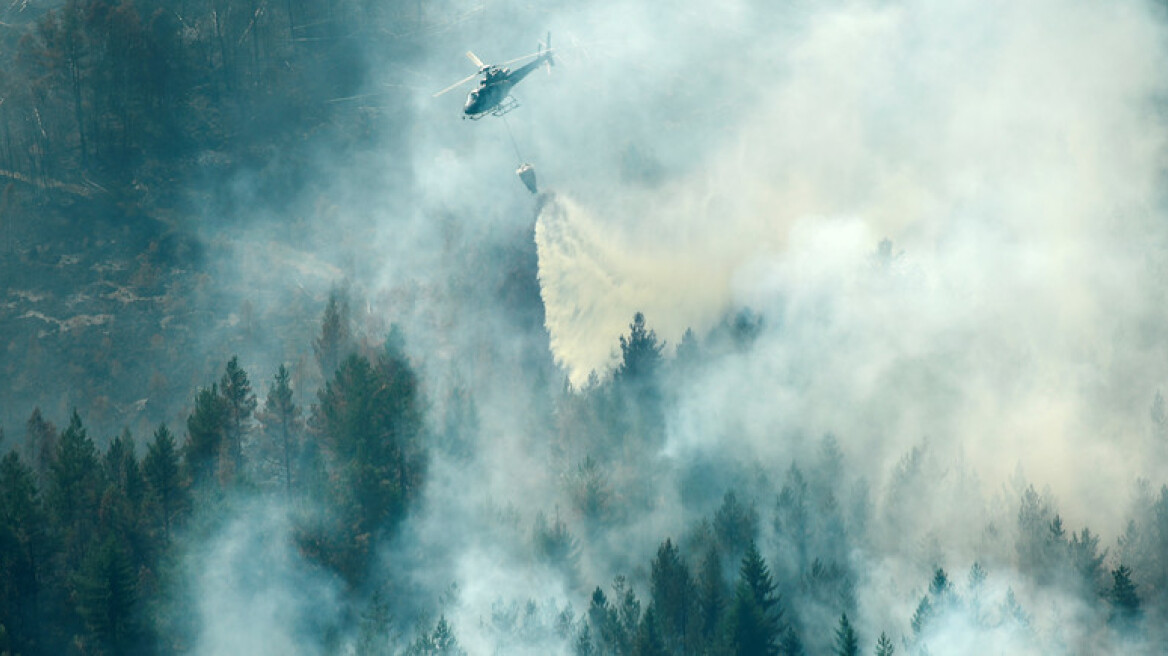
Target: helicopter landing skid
column 509, row 104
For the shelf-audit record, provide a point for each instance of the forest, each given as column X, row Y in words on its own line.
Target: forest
column 857, row 351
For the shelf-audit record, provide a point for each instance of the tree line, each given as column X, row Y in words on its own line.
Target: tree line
column 87, row 538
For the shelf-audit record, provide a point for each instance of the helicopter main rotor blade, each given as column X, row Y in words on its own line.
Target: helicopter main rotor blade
column 475, row 60
column 534, row 54
column 457, row 84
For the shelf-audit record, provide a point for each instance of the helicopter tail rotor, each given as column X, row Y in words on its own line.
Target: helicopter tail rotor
column 545, row 50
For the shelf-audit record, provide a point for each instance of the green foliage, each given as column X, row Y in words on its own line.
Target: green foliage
column 649, row 641
column 590, row 491
column 168, row 493
column 921, row 616
column 640, row 353
column 1086, row 560
column 238, row 405
column 40, row 446
column 884, row 646
column 108, row 598
column 439, row 642
column 23, row 554
column 846, row 642
column 335, row 341
column 282, row 427
column 637, row 385
column 791, row 644
column 554, row 543
column 756, row 618
column 583, row 645
column 792, row 516
column 711, row 597
column 672, row 597
column 369, row 417
column 1125, row 602
column 205, row 429
column 735, row 524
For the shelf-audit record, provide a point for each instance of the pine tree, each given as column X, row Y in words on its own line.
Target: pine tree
column 627, row 614
column 921, row 617
column 976, row 583
column 444, row 641
column 735, row 524
column 649, row 641
column 602, row 618
column 164, row 478
column 884, row 646
column 334, row 343
column 40, row 446
column 846, row 642
column 74, row 490
column 205, row 428
column 941, row 591
column 238, row 403
column 23, row 554
column 711, row 593
column 108, row 598
column 640, row 352
column 791, row 644
column 122, row 469
column 583, row 645
column 554, row 543
column 793, row 518
column 1125, row 602
column 1087, row 560
column 1014, row 611
column 281, row 420
column 636, row 383
column 370, row 419
column 756, row 618
column 672, row 595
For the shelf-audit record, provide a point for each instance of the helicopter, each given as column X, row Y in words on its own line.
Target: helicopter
column 493, row 94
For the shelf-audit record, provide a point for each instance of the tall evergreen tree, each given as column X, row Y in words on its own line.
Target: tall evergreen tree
column 1125, row 602
column 164, row 478
column 40, row 446
column 884, row 646
column 1087, row 561
column 640, row 352
column 627, row 615
column 122, row 468
column 23, row 556
column 735, row 525
column 281, row 420
column 205, row 428
column 791, row 644
column 846, row 642
column 711, row 597
column 602, row 618
column 335, row 341
column 672, row 596
column 238, row 404
column 756, row 618
column 649, row 641
column 921, row 616
column 636, row 380
column 75, row 488
column 108, row 599
column 370, row 418
column 583, row 645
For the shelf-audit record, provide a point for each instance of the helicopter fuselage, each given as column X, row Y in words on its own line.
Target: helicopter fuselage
column 496, row 87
